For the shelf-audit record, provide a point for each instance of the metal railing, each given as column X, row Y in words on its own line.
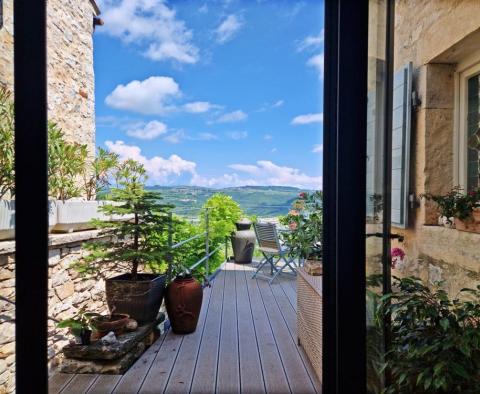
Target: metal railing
column 208, row 253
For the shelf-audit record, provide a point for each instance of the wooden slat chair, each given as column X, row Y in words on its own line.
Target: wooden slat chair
column 273, row 252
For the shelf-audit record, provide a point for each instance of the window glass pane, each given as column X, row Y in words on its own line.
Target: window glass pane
column 473, row 132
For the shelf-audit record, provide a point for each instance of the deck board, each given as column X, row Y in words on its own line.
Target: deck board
column 104, row 384
column 251, row 376
column 245, row 342
column 182, row 374
column 297, row 376
column 79, row 384
column 58, row 381
column 228, row 375
column 205, row 376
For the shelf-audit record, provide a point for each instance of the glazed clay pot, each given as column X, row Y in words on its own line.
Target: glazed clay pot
column 243, row 242
column 183, row 301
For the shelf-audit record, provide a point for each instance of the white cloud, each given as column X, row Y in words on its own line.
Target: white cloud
column 164, row 170
column 228, row 28
column 176, row 138
column 180, row 136
column 150, row 96
column 199, row 107
column 159, row 169
column 307, row 119
column 310, row 42
column 267, row 137
column 149, row 131
column 235, row 116
column 207, row 136
column 203, row 9
column 268, row 106
column 237, row 135
column 317, row 63
column 317, row 148
column 152, row 26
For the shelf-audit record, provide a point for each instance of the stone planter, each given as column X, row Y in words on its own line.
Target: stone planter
column 78, row 215
column 471, row 224
column 7, row 218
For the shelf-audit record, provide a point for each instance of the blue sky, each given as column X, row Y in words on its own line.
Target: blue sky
column 215, row 93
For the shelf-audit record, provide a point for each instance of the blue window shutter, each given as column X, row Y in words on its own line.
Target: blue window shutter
column 401, row 130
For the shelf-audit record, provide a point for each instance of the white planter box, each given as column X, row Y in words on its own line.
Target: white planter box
column 7, row 218
column 78, row 215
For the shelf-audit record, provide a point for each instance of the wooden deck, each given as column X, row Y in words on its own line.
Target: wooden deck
column 245, row 342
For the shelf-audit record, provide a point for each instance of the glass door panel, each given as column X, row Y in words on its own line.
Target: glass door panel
column 377, row 200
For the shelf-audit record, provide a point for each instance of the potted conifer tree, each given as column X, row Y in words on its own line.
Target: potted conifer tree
column 130, row 243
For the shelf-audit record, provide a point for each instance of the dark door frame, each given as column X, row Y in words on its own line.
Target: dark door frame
column 345, row 136
column 31, row 221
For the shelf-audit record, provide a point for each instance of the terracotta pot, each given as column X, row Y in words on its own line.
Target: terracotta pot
column 471, row 224
column 183, row 301
column 140, row 299
column 115, row 323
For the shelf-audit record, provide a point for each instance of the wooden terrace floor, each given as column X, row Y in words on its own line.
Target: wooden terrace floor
column 245, row 342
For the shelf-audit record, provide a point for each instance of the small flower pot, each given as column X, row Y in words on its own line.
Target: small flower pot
column 116, row 323
column 471, row 224
column 85, row 336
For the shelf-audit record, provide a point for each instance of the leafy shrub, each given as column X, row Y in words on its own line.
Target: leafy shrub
column 66, row 162
column 456, row 203
column 435, row 340
column 96, row 176
column 224, row 211
column 305, row 222
column 7, row 144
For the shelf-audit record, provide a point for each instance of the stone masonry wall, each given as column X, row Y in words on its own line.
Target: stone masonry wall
column 68, row 292
column 71, row 82
column 434, row 35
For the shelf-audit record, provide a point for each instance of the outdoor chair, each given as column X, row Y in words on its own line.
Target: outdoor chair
column 274, row 254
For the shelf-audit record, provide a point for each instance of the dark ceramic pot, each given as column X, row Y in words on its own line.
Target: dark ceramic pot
column 243, row 242
column 183, row 301
column 85, row 336
column 140, row 299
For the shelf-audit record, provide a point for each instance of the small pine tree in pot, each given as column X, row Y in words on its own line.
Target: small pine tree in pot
column 129, row 243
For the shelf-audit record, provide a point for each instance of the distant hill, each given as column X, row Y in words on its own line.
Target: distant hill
column 263, row 201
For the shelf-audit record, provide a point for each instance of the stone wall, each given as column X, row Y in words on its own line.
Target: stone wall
column 71, row 101
column 435, row 36
column 68, row 292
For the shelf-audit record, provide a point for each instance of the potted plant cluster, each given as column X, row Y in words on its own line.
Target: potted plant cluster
column 72, row 178
column 131, row 243
column 304, row 239
column 80, row 325
column 435, row 340
column 458, row 209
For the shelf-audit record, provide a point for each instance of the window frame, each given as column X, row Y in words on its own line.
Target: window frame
column 465, row 70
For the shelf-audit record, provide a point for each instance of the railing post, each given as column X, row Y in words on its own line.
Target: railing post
column 226, row 248
column 207, row 242
column 170, row 244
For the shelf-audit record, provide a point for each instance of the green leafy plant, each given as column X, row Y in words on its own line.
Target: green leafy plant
column 305, row 222
column 66, row 162
column 456, row 203
column 130, row 242
column 82, row 320
column 223, row 212
column 435, row 340
column 7, row 144
column 96, row 175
